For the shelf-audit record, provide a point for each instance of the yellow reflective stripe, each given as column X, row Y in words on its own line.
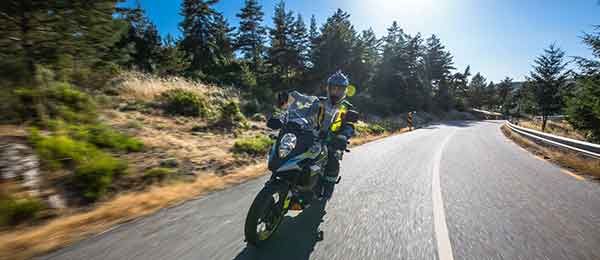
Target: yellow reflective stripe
column 337, row 123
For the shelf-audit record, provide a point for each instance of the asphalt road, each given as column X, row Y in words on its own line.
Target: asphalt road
column 458, row 190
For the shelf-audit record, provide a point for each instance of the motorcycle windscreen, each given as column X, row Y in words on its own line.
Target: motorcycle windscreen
column 303, row 110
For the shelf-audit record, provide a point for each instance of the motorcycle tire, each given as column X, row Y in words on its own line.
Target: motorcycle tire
column 265, row 205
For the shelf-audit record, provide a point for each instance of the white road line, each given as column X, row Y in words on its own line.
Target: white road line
column 439, row 217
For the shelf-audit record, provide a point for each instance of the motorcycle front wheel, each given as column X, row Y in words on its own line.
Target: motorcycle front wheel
column 265, row 214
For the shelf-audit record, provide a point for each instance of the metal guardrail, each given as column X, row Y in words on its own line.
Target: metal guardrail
column 586, row 148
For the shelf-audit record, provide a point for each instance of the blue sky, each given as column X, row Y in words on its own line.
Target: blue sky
column 497, row 38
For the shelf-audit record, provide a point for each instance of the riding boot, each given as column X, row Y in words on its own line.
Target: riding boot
column 332, row 171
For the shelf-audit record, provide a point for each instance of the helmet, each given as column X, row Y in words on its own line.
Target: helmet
column 336, row 86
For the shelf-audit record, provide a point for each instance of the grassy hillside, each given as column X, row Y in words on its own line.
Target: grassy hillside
column 96, row 154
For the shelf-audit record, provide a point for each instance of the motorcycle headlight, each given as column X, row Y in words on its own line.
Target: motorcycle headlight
column 286, row 144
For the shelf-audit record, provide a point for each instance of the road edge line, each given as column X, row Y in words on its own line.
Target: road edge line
column 444, row 247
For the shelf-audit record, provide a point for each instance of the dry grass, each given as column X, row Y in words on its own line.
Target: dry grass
column 579, row 164
column 34, row 241
column 12, row 130
column 560, row 128
column 145, row 87
column 174, row 136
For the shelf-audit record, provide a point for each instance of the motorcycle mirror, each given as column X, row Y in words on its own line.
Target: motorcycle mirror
column 350, row 90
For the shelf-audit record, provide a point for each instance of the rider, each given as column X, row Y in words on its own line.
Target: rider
column 335, row 105
column 332, row 108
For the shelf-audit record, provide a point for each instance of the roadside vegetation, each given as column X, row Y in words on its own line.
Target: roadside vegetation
column 573, row 161
column 256, row 145
column 552, row 89
column 16, row 210
column 555, row 127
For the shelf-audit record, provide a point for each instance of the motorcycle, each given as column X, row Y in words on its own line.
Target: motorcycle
column 297, row 161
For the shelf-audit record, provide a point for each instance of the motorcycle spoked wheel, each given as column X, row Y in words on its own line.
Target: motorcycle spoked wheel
column 265, row 214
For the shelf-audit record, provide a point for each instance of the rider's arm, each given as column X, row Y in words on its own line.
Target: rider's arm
column 347, row 130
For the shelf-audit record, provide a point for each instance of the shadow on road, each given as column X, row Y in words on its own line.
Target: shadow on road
column 295, row 238
column 461, row 123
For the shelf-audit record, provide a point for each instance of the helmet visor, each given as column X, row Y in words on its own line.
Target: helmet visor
column 336, row 91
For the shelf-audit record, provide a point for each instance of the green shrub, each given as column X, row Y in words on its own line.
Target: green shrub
column 135, row 105
column 105, row 101
column 363, row 128
column 184, row 102
column 60, row 150
column 159, row 173
column 57, row 100
column 257, row 145
column 259, row 117
column 231, row 116
column 169, row 162
column 390, row 125
column 134, row 124
column 94, row 169
column 98, row 134
column 376, row 129
column 93, row 177
column 251, row 106
column 104, row 136
column 14, row 211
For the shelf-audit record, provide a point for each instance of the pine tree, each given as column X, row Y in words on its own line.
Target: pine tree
column 437, row 64
column 91, row 33
column 505, row 89
column 198, row 28
column 458, row 88
column 334, row 47
column 476, row 91
column 300, row 43
column 81, row 34
column 548, row 76
column 145, row 38
column 583, row 109
column 281, row 53
column 386, row 85
column 583, row 105
column 222, row 34
column 365, row 56
column 439, row 61
column 592, row 40
column 251, row 33
column 172, row 60
column 443, row 99
column 27, row 28
column 491, row 96
column 411, row 71
column 313, row 33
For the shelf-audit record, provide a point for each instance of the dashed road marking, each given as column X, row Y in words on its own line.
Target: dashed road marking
column 444, row 247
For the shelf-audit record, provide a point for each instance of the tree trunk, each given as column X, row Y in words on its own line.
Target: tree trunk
column 544, row 120
column 26, row 43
